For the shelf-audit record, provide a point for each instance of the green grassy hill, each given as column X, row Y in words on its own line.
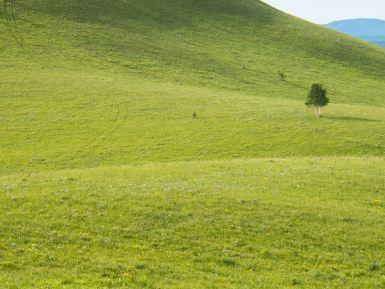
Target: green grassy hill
column 106, row 179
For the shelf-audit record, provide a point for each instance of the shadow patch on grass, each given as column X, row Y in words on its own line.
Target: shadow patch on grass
column 350, row 118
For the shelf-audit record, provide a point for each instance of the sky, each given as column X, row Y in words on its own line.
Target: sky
column 325, row 11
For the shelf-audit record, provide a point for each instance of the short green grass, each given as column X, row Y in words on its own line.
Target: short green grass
column 268, row 223
column 102, row 84
column 108, row 181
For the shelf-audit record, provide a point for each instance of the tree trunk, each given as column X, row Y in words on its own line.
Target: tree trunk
column 319, row 111
column 316, row 111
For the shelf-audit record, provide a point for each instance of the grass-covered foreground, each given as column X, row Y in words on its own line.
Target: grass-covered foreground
column 268, row 223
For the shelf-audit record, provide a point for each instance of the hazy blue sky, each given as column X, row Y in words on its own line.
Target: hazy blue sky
column 325, row 11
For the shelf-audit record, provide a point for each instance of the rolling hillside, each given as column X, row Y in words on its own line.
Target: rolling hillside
column 108, row 181
column 101, row 84
column 371, row 30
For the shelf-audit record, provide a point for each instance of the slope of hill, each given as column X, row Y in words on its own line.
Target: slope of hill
column 97, row 83
column 107, row 179
column 372, row 30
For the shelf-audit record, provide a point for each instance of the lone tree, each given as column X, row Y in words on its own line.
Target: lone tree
column 317, row 98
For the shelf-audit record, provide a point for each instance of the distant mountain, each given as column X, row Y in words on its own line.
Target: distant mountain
column 372, row 30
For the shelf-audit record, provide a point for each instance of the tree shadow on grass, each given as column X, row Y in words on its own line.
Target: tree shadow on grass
column 350, row 118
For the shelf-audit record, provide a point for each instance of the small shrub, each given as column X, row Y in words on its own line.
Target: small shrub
column 295, row 282
column 374, row 266
column 229, row 262
column 141, row 266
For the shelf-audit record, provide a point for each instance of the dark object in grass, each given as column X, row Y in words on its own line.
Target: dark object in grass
column 374, row 266
column 282, row 75
column 295, row 282
column 229, row 262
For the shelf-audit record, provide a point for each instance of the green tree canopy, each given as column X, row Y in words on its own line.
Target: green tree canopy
column 317, row 98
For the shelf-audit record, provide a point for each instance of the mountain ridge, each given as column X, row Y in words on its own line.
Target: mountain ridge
column 368, row 29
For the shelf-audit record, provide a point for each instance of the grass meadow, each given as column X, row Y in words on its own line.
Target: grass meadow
column 268, row 223
column 108, row 181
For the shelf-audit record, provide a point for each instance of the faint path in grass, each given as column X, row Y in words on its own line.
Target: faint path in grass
column 119, row 119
